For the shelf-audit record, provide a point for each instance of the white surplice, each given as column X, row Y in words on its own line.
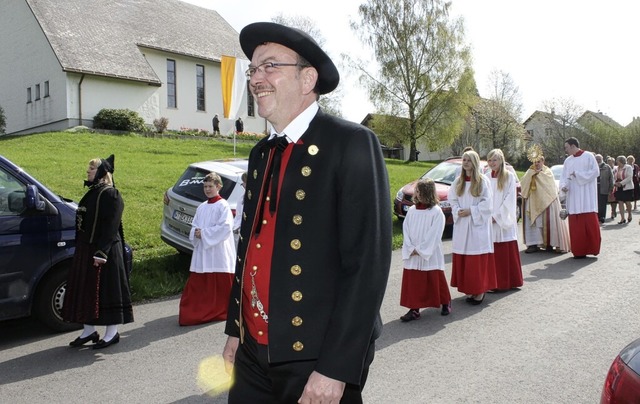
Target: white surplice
column 422, row 232
column 215, row 251
column 505, row 209
column 582, row 194
column 471, row 234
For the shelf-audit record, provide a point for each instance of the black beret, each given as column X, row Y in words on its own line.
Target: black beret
column 299, row 41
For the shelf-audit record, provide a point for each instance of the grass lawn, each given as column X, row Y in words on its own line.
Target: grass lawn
column 144, row 168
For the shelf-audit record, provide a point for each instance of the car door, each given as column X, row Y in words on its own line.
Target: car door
column 24, row 247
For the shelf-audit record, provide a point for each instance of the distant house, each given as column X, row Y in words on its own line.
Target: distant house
column 64, row 60
column 551, row 130
column 589, row 118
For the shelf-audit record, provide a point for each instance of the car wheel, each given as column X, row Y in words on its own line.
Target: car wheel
column 47, row 306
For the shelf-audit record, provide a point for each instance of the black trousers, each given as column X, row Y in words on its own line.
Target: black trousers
column 258, row 381
column 602, row 205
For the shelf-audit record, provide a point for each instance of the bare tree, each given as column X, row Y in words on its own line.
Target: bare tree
column 499, row 115
column 332, row 102
column 421, row 60
column 561, row 123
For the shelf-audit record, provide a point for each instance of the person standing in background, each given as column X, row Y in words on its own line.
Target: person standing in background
column 216, row 124
column 473, row 269
column 605, row 187
column 239, row 125
column 624, row 188
column 504, row 226
column 205, row 297
column 98, row 291
column 542, row 226
column 578, row 181
column 636, row 180
column 423, row 281
column 612, row 198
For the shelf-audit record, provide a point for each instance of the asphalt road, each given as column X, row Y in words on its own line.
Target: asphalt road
column 551, row 341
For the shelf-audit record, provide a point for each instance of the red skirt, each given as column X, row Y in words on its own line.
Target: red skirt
column 424, row 289
column 473, row 274
column 205, row 298
column 584, row 230
column 508, row 266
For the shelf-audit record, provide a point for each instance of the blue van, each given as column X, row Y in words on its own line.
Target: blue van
column 37, row 242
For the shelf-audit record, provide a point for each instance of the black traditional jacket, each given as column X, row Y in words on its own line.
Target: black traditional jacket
column 332, row 246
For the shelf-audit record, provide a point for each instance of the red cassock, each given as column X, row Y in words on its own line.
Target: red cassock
column 508, row 266
column 205, row 298
column 424, row 289
column 584, row 230
column 473, row 274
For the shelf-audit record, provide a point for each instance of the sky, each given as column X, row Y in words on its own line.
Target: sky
column 582, row 50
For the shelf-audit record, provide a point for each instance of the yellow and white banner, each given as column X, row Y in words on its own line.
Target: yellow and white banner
column 234, row 84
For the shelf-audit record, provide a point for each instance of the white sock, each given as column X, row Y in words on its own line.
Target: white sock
column 110, row 332
column 88, row 330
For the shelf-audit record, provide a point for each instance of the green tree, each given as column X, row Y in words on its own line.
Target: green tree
column 421, row 59
column 330, row 103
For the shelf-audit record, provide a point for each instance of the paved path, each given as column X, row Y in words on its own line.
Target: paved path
column 552, row 341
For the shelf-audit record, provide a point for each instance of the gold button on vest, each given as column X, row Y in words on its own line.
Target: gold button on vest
column 296, row 244
column 296, row 321
column 300, row 194
column 296, row 296
column 313, row 150
column 297, row 346
column 296, row 270
column 249, row 195
column 306, row 171
column 297, row 219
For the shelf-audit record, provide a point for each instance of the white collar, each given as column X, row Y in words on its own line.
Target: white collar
column 299, row 125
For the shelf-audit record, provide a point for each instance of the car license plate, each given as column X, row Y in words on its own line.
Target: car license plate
column 183, row 217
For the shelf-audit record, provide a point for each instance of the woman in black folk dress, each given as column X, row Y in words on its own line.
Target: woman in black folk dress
column 98, row 290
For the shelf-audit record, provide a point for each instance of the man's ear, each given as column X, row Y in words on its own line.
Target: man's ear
column 309, row 79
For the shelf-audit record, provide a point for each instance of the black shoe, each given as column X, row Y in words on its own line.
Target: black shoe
column 577, row 257
column 532, row 249
column 410, row 316
column 94, row 337
column 103, row 344
column 622, row 221
column 446, row 309
column 477, row 302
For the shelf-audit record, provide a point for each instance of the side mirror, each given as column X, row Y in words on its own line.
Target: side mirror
column 33, row 199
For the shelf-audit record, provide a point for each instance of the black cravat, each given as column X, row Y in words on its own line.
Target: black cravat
column 280, row 143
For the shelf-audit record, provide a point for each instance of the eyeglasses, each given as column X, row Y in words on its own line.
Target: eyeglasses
column 268, row 68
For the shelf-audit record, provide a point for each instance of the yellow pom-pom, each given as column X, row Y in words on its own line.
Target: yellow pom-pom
column 212, row 377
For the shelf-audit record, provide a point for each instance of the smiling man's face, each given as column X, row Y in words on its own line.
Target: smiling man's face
column 285, row 91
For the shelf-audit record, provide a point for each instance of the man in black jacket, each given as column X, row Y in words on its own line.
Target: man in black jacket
column 605, row 186
column 315, row 245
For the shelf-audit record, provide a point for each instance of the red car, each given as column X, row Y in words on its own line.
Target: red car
column 622, row 384
column 443, row 175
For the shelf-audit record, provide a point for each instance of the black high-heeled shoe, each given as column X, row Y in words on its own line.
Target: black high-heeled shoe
column 94, row 337
column 622, row 221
